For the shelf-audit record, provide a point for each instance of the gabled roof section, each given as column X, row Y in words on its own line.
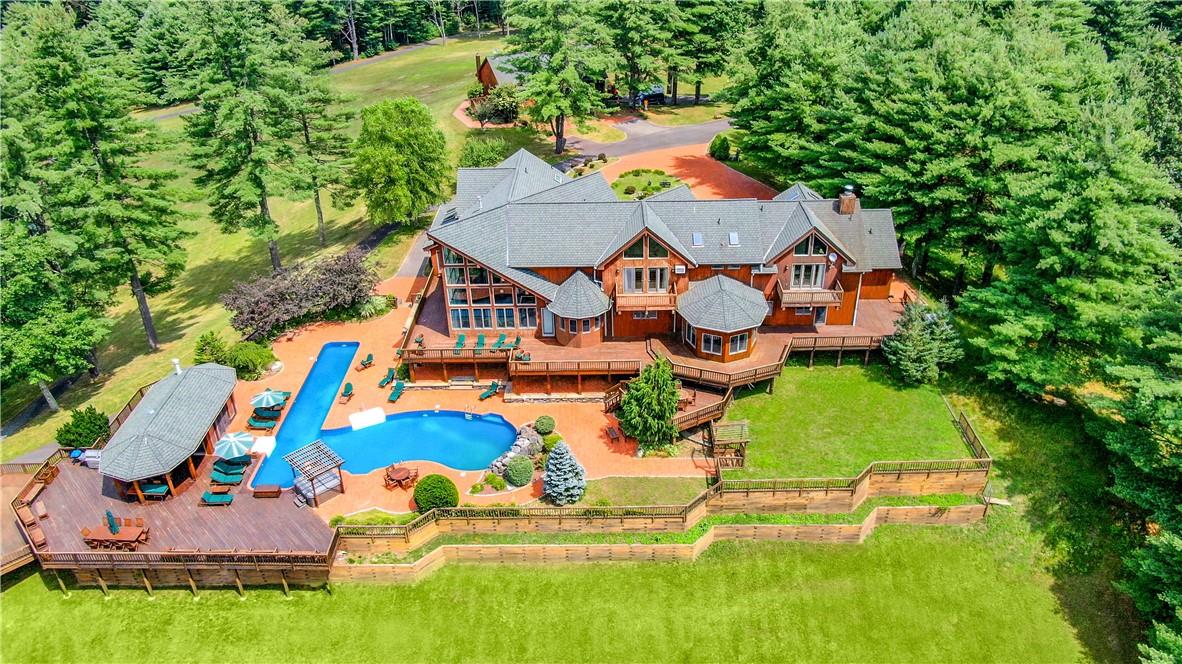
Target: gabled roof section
column 798, row 192
column 715, row 221
column 579, row 297
column 722, row 304
column 168, row 424
column 868, row 234
column 681, row 192
column 483, row 238
column 643, row 218
column 591, row 188
column 799, row 222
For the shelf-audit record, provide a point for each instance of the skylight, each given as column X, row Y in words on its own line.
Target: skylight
column 696, row 240
column 733, row 238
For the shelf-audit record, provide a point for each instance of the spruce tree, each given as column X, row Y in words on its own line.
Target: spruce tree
column 565, row 481
column 923, row 341
column 561, row 48
column 648, row 406
column 399, row 161
column 157, row 49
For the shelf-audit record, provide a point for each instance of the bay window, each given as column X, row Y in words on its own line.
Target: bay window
column 712, row 343
column 738, row 343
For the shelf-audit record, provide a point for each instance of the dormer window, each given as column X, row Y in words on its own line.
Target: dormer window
column 696, row 240
column 732, row 238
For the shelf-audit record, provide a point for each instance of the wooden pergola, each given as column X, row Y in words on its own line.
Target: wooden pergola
column 728, row 442
column 313, row 461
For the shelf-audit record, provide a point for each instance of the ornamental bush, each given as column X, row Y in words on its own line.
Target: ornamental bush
column 435, row 491
column 519, row 471
column 550, row 440
column 647, row 408
column 544, row 425
column 482, row 153
column 249, row 359
column 629, row 190
column 495, row 481
column 85, row 428
column 720, row 148
column 565, row 481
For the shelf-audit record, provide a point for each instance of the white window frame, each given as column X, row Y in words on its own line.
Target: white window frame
column 482, row 315
column 644, row 315
column 804, row 311
column 527, row 317
column 501, row 313
column 815, row 273
column 461, row 319
column 691, row 335
column 744, row 337
column 712, row 340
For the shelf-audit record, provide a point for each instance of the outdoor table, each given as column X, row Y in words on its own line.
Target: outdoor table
column 398, row 475
column 126, row 534
column 218, row 489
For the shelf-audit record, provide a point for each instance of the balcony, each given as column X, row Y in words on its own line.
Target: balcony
column 811, row 297
column 645, row 301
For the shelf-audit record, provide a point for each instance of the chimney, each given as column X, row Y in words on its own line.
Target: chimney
column 176, row 366
column 847, row 202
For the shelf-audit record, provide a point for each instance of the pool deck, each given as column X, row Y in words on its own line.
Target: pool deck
column 582, row 424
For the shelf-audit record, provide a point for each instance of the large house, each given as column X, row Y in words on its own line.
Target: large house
column 523, row 249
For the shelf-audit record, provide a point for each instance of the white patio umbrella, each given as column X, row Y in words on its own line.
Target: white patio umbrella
column 234, row 445
column 267, row 399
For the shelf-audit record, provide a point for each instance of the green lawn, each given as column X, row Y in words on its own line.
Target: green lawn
column 648, row 180
column 643, row 490
column 685, row 114
column 832, row 421
column 437, row 75
column 909, row 594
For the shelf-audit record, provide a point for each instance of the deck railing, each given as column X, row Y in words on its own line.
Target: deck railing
column 692, row 418
column 573, row 367
column 626, row 301
column 467, row 355
column 797, row 297
column 834, row 343
column 724, row 379
column 182, row 559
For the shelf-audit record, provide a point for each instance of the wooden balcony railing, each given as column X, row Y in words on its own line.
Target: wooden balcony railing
column 184, row 559
column 725, row 379
column 692, row 418
column 574, row 367
column 645, row 301
column 797, row 297
column 443, row 354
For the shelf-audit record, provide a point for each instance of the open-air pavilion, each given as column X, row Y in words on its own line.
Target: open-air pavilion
column 317, row 469
column 171, row 430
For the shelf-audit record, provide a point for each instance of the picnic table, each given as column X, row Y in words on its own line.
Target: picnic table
column 399, row 476
column 127, row 536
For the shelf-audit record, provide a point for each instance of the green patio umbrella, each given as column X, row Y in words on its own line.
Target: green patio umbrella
column 234, row 445
column 267, row 399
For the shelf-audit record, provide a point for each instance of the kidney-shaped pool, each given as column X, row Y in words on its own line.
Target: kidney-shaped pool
column 460, row 440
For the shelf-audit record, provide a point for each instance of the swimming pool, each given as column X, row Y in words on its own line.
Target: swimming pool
column 460, row 440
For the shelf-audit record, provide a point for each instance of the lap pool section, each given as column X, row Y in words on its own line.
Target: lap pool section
column 460, row 440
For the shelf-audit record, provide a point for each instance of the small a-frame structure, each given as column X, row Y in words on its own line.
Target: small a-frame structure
column 728, row 443
column 317, row 470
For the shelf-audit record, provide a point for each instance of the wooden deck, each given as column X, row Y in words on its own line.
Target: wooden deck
column 14, row 551
column 80, row 496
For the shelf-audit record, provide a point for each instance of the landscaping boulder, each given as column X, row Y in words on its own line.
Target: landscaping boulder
column 498, row 465
column 528, row 432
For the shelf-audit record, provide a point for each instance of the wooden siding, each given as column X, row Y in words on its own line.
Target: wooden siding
column 876, row 284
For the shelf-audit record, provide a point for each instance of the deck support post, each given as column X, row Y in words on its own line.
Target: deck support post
column 102, row 582
column 192, row 582
column 548, row 387
column 238, row 582
column 168, row 480
column 839, row 356
column 866, row 357
column 476, row 370
column 811, row 354
column 578, row 381
column 192, row 468
column 147, row 582
column 61, row 584
column 444, row 363
column 139, row 494
column 283, row 578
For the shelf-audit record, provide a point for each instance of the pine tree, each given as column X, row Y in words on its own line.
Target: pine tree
column 565, row 481
column 241, row 80
column 399, row 161
column 157, row 49
column 319, row 124
column 1083, row 253
column 923, row 341
column 648, row 406
column 562, row 49
column 126, row 210
column 640, row 33
column 1154, row 80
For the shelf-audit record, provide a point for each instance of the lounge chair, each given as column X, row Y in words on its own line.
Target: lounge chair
column 517, row 342
column 347, row 393
column 365, row 364
column 500, row 341
column 227, row 468
column 266, row 414
column 419, row 341
column 209, row 498
column 397, row 391
column 223, row 478
column 492, row 389
column 284, row 394
column 389, row 377
column 244, row 460
column 154, row 490
column 479, row 343
column 267, row 425
column 460, row 341
column 26, row 515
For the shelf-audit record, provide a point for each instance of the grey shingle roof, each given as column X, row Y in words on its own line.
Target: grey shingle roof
column 868, row 234
column 681, row 192
column 722, row 304
column 169, row 424
column 798, row 192
column 502, row 66
column 579, row 297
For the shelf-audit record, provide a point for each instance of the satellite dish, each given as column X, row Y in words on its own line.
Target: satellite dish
column 832, row 257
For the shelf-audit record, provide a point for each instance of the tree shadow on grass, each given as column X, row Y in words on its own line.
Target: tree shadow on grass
column 1059, row 477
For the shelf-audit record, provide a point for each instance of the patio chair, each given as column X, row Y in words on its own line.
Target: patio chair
column 244, row 460
column 365, row 364
column 139, row 522
column 500, row 341
column 265, row 414
column 346, row 393
column 26, row 515
column 517, row 342
column 223, row 478
column 614, row 434
column 479, row 343
column 266, row 425
column 460, row 341
column 216, row 498
column 389, row 377
column 154, row 490
column 492, row 390
column 227, row 468
column 419, row 341
column 396, row 393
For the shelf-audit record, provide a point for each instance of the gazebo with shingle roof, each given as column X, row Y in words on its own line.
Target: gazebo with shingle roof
column 179, row 415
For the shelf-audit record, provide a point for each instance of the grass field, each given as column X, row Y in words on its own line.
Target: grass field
column 643, row 490
column 832, row 421
column 909, row 594
column 644, row 180
column 439, row 76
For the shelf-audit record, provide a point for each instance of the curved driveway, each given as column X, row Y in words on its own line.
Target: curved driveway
column 644, row 136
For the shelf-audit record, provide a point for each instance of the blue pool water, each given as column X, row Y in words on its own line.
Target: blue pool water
column 458, row 440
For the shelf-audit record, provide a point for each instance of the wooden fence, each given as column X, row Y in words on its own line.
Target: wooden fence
column 693, row 418
column 839, row 344
column 578, row 553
